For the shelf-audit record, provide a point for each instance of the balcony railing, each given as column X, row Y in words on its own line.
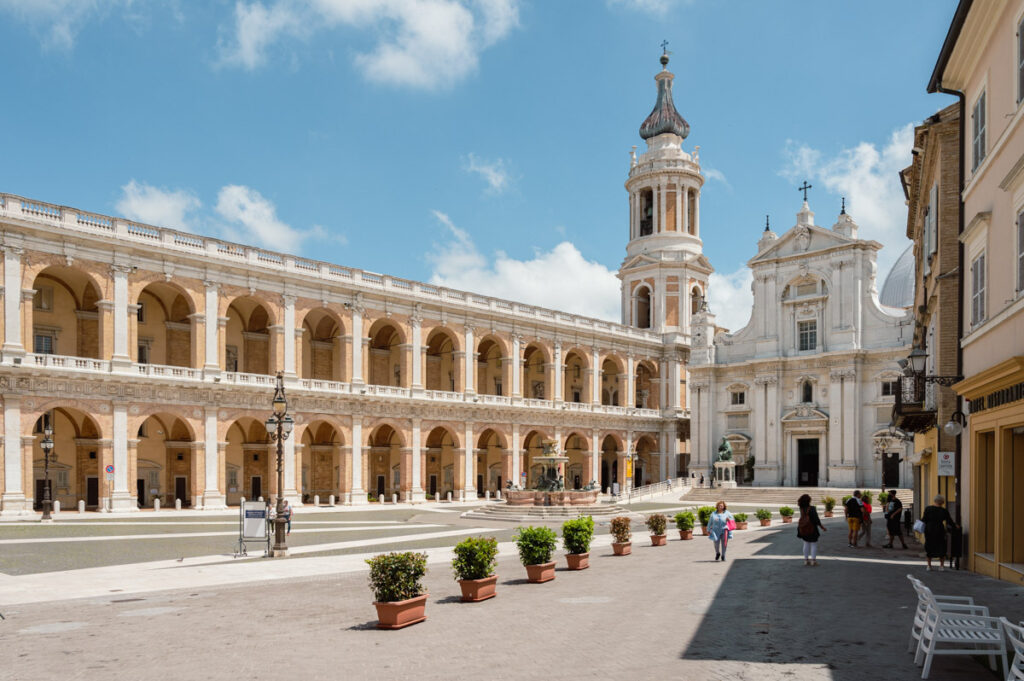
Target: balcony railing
column 912, row 412
column 68, row 362
column 166, row 371
column 239, row 378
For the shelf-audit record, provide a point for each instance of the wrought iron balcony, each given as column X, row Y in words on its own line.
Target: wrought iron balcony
column 913, row 411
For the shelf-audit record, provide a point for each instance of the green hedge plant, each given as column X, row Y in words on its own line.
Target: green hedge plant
column 866, row 496
column 656, row 523
column 740, row 517
column 785, row 511
column 684, row 520
column 704, row 513
column 620, row 529
column 883, row 498
column 577, row 534
column 397, row 576
column 763, row 514
column 847, row 498
column 475, row 558
column 536, row 544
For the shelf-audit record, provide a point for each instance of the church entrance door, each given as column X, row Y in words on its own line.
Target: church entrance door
column 807, row 462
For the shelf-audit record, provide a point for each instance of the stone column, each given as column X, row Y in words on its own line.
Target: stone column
column 13, row 501
column 661, row 208
column 517, row 366
column 288, row 301
column 469, row 483
column 196, row 326
column 696, row 213
column 665, row 461
column 595, row 388
column 675, row 370
column 470, row 370
column 517, row 450
column 358, row 492
column 559, row 372
column 291, row 492
column 122, row 499
column 12, row 346
column 357, row 375
column 213, row 496
column 679, row 205
column 211, row 366
column 417, row 462
column 686, row 210
column 834, row 452
column 120, row 360
column 595, row 456
column 416, row 352
column 630, row 400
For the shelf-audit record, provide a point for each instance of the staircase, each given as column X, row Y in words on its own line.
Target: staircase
column 502, row 511
column 781, row 496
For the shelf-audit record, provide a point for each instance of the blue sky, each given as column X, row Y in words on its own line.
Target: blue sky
column 478, row 143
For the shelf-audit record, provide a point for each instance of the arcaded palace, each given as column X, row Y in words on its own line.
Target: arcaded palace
column 155, row 352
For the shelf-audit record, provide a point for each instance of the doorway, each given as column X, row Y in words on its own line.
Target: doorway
column 140, row 492
column 479, row 485
column 181, row 489
column 891, row 470
column 807, row 462
column 380, row 486
column 257, row 487
column 92, row 492
column 432, row 487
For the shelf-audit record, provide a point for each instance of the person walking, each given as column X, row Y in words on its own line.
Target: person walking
column 719, row 530
column 287, row 516
column 865, row 521
column 936, row 519
column 854, row 514
column 893, row 512
column 807, row 528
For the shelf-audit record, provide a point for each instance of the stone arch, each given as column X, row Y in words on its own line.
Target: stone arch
column 386, row 355
column 442, row 370
column 696, row 299
column 322, row 465
column 249, row 344
column 76, row 461
column 493, row 461
column 163, row 326
column 389, row 470
column 64, row 317
column 643, row 308
column 166, row 441
column 536, row 372
column 441, row 471
column 576, row 379
column 248, row 461
column 613, row 381
column 493, row 368
column 576, row 446
column 646, row 385
column 647, row 467
column 322, row 348
column 533, row 446
column 611, row 451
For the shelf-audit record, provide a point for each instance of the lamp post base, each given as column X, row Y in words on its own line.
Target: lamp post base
column 279, row 553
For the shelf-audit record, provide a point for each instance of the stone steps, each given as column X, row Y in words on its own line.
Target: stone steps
column 528, row 513
column 777, row 495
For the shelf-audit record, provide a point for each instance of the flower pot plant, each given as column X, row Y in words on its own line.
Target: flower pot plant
column 656, row 524
column 787, row 513
column 684, row 523
column 764, row 515
column 883, row 498
column 576, row 537
column 396, row 581
column 830, row 503
column 473, row 565
column 704, row 515
column 866, row 496
column 741, row 520
column 621, row 533
column 536, row 544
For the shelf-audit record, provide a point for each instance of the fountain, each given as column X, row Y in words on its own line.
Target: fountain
column 549, row 489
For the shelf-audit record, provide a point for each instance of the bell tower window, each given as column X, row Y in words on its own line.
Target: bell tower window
column 646, row 212
column 643, row 308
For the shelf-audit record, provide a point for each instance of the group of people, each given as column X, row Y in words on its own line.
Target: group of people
column 934, row 523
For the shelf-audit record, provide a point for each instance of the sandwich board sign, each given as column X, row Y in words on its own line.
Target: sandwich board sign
column 254, row 526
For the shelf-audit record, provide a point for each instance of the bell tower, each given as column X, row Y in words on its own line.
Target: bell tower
column 664, row 276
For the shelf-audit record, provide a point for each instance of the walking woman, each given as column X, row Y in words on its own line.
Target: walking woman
column 807, row 529
column 718, row 529
column 936, row 519
column 893, row 512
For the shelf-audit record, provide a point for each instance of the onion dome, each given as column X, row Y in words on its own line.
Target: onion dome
column 664, row 118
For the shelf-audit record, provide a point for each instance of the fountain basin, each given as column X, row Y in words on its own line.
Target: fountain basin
column 563, row 498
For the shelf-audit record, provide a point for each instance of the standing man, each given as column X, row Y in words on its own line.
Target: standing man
column 288, row 516
column 854, row 514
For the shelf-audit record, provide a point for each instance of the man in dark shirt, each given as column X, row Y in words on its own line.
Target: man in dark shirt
column 854, row 514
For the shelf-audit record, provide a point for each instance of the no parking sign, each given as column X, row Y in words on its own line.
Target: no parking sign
column 110, row 471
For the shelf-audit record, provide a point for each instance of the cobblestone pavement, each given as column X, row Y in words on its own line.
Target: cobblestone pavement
column 665, row 612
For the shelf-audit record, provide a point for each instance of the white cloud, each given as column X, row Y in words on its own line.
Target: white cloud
column 493, row 172
column 658, row 7
column 868, row 176
column 253, row 219
column 561, row 278
column 717, row 176
column 157, row 206
column 730, row 298
column 429, row 44
column 59, row 20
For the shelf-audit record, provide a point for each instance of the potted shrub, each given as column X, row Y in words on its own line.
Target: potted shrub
column 536, row 544
column 576, row 537
column 656, row 524
column 866, row 496
column 704, row 514
column 883, row 498
column 787, row 513
column 396, row 581
column 764, row 515
column 473, row 565
column 684, row 523
column 621, row 533
column 830, row 503
column 741, row 520
column 846, row 498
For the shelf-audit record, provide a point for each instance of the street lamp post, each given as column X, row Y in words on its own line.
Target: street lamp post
column 47, row 447
column 279, row 427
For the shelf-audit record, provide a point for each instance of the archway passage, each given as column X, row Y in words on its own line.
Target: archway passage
column 323, row 465
column 577, row 470
column 322, row 346
column 535, row 378
column 493, row 463
column 248, row 462
column 164, row 326
column 248, row 348
column 643, row 307
column 75, row 461
column 166, row 465
column 533, row 446
column 647, row 467
column 65, row 318
column 441, row 476
column 646, row 386
column 611, row 381
column 441, row 370
column 490, row 373
column 387, row 364
column 389, row 470
column 611, row 449
column 576, row 383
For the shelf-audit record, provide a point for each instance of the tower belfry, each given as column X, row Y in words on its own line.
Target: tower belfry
column 664, row 276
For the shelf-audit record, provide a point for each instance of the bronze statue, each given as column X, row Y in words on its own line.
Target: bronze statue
column 725, row 451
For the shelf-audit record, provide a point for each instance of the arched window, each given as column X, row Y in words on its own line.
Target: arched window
column 643, row 308
column 646, row 212
column 696, row 298
column 808, row 392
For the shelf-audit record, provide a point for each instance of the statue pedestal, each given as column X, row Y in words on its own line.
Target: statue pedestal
column 725, row 474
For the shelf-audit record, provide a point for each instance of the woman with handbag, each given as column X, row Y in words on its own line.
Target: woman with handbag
column 720, row 527
column 807, row 529
column 935, row 520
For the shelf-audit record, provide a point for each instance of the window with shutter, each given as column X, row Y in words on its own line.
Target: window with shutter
column 1020, row 251
column 978, row 290
column 978, row 128
column 933, row 214
column 926, row 248
column 1020, row 61
column 44, row 344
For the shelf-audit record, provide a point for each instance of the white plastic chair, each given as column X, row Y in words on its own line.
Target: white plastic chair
column 1015, row 633
column 951, row 603
column 959, row 633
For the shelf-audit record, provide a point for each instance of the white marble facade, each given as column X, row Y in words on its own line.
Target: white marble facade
column 805, row 388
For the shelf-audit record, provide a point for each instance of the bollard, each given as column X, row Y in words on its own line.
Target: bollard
column 56, row 506
column 394, row 498
column 380, row 499
column 316, row 499
column 81, row 505
column 330, row 500
column 449, row 497
column 260, row 499
column 487, row 495
column 156, row 503
column 497, row 495
column 177, row 504
column 241, row 500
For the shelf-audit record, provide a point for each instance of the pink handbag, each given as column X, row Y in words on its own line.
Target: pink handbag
column 730, row 524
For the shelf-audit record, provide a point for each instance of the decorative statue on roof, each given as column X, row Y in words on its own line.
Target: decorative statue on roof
column 725, row 451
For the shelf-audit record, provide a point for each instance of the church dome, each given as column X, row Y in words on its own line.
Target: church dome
column 664, row 118
column 898, row 289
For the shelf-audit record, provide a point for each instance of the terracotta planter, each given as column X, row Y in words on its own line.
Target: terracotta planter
column 538, row 574
column 474, row 590
column 829, row 514
column 787, row 518
column 401, row 613
column 659, row 539
column 623, row 549
column 766, row 522
column 685, row 534
column 704, row 530
column 578, row 561
column 741, row 526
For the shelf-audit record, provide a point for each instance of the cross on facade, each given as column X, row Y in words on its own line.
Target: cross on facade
column 804, row 189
